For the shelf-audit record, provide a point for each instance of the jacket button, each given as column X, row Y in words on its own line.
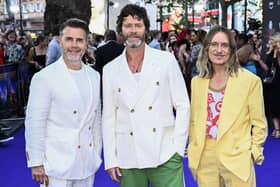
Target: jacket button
column 154, row 129
column 150, row 108
column 90, row 144
column 131, row 133
column 157, row 83
column 79, row 146
column 132, row 110
column 75, row 112
column 119, row 89
column 89, row 128
column 117, row 108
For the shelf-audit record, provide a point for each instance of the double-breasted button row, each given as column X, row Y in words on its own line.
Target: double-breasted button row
column 79, row 146
column 154, row 130
column 133, row 110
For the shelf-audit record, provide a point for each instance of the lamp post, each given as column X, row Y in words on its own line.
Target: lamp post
column 20, row 16
column 245, row 16
column 14, row 9
column 109, row 4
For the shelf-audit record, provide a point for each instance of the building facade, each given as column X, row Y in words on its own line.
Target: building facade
column 31, row 14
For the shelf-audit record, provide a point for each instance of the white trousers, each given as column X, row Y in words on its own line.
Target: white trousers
column 55, row 182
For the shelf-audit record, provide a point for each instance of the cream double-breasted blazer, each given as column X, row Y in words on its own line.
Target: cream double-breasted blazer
column 140, row 129
column 61, row 134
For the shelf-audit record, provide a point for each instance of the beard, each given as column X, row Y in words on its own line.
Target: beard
column 134, row 44
column 75, row 59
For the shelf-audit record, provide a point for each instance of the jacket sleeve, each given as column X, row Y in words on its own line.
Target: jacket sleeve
column 180, row 100
column 258, row 120
column 191, row 130
column 35, row 122
column 97, row 131
column 108, row 122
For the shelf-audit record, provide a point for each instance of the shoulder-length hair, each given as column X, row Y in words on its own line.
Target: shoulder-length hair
column 276, row 38
column 204, row 65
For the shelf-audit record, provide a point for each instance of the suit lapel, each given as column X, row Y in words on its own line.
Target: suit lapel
column 126, row 77
column 233, row 101
column 150, row 70
column 92, row 95
column 69, row 84
column 135, row 89
column 201, row 107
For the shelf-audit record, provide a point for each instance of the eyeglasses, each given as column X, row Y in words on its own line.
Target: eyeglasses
column 216, row 45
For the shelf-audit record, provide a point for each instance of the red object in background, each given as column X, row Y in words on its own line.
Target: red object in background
column 213, row 12
column 197, row 19
column 1, row 56
column 165, row 27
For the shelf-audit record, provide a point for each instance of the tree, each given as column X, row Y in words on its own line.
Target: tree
column 57, row 11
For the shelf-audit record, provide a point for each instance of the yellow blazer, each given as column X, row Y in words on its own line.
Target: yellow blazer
column 242, row 127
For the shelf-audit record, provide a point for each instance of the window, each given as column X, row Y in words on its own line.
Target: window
column 24, row 8
column 38, row 7
column 30, row 7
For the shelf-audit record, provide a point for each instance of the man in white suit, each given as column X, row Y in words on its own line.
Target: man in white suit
column 63, row 117
column 143, row 140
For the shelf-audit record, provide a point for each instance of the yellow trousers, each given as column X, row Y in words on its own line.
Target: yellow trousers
column 211, row 173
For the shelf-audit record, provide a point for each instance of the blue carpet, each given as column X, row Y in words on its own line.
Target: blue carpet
column 14, row 173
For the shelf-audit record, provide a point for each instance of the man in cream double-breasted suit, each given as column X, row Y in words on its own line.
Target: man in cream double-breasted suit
column 143, row 139
column 63, row 119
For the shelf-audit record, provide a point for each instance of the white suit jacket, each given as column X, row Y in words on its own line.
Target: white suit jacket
column 138, row 122
column 60, row 133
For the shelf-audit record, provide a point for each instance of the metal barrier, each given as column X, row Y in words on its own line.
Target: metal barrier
column 14, row 89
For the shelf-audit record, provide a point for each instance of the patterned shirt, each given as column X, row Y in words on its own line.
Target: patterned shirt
column 14, row 53
column 215, row 100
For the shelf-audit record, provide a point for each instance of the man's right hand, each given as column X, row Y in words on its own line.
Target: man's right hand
column 39, row 175
column 115, row 173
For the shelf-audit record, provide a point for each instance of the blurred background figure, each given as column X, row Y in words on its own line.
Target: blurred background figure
column 13, row 52
column 38, row 54
column 156, row 37
column 272, row 91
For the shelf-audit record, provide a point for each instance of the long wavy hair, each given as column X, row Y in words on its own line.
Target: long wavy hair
column 204, row 65
column 276, row 38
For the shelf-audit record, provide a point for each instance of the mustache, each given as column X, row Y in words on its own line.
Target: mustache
column 134, row 35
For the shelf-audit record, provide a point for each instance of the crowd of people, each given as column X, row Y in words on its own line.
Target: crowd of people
column 156, row 91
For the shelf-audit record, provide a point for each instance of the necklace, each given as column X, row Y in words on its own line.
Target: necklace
column 135, row 68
